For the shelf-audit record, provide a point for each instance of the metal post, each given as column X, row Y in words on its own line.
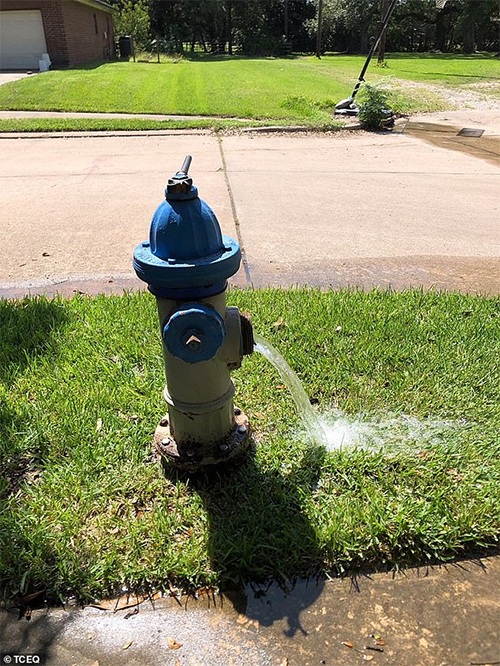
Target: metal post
column 383, row 24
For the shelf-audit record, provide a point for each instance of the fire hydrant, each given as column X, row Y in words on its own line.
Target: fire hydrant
column 186, row 264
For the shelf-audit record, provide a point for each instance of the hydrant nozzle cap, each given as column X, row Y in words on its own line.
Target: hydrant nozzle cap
column 194, row 333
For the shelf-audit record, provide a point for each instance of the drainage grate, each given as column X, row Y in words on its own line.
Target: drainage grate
column 470, row 131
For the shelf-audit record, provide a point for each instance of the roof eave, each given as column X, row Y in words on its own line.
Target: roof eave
column 98, row 4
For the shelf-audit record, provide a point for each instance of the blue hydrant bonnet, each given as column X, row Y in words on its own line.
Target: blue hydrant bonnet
column 186, row 248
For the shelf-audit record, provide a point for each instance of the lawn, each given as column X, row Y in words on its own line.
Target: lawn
column 131, row 124
column 85, row 510
column 299, row 89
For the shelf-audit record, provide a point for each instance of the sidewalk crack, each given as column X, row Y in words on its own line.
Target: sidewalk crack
column 234, row 212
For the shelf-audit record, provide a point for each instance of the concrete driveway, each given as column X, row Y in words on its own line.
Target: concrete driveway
column 7, row 77
column 358, row 209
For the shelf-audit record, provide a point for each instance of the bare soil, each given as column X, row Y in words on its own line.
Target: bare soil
column 483, row 95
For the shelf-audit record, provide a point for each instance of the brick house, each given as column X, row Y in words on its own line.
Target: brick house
column 72, row 32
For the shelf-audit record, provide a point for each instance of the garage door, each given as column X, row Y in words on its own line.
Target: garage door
column 22, row 39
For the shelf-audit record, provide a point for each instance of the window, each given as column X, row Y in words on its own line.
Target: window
column 96, row 27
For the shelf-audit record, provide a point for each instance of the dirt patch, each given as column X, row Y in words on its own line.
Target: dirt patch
column 483, row 95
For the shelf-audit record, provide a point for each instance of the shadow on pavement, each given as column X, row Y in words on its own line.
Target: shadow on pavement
column 259, row 532
column 35, row 637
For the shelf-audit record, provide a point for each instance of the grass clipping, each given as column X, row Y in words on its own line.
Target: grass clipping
column 85, row 510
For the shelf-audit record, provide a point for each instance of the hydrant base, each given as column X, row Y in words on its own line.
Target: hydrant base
column 195, row 456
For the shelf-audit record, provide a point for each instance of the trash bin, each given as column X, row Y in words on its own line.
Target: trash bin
column 125, row 46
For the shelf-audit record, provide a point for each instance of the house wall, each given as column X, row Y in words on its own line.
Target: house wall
column 75, row 33
column 89, row 33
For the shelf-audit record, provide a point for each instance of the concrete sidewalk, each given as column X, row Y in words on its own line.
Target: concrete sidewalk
column 436, row 616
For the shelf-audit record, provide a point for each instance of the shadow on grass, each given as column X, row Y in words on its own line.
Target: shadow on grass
column 260, row 538
column 423, row 56
column 27, row 332
column 225, row 57
column 87, row 66
column 144, row 59
column 27, row 329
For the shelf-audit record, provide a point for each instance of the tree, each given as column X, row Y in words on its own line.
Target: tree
column 258, row 27
column 133, row 19
column 347, row 24
column 413, row 26
column 467, row 25
column 385, row 4
column 473, row 21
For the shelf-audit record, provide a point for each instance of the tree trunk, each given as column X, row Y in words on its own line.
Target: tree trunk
column 363, row 39
column 383, row 36
column 229, row 27
column 440, row 40
column 469, row 37
column 319, row 28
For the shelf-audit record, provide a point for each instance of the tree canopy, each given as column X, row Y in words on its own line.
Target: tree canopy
column 264, row 27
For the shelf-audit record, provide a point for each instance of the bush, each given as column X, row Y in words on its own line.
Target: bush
column 374, row 111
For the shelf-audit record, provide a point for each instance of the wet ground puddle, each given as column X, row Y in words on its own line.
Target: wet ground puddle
column 485, row 147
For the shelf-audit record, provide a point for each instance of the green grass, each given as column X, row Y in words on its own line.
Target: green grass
column 450, row 69
column 227, row 88
column 131, row 124
column 84, row 509
column 301, row 89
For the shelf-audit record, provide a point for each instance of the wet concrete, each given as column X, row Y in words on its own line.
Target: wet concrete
column 473, row 275
column 447, row 615
column 71, row 285
column 468, row 275
column 485, row 147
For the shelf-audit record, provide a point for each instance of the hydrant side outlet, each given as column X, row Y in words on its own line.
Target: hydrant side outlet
column 194, row 333
column 186, row 264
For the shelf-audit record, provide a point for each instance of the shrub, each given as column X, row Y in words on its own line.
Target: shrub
column 374, row 109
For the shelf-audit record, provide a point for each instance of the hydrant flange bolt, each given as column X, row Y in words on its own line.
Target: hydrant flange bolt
column 193, row 457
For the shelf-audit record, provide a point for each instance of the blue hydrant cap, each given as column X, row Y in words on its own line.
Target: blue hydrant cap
column 195, row 333
column 186, row 248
